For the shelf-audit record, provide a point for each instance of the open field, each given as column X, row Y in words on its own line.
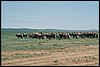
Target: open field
column 35, row 52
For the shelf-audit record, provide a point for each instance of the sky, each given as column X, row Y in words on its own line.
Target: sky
column 68, row 15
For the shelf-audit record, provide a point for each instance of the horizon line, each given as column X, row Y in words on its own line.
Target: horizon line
column 47, row 28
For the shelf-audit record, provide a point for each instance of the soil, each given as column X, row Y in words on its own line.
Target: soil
column 73, row 56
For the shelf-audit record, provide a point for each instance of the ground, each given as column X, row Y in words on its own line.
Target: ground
column 38, row 52
column 65, row 56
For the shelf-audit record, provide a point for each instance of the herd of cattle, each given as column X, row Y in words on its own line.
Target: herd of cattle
column 58, row 35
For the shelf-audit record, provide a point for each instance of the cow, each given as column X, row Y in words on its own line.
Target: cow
column 19, row 35
column 68, row 36
column 74, row 35
column 40, row 35
column 62, row 35
column 25, row 35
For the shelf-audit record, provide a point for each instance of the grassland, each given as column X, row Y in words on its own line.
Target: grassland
column 30, row 52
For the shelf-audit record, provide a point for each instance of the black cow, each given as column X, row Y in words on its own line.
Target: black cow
column 40, row 35
column 62, row 36
column 25, row 35
column 19, row 35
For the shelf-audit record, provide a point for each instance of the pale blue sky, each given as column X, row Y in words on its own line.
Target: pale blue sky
column 69, row 15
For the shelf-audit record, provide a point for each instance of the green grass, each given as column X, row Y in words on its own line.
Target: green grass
column 10, row 42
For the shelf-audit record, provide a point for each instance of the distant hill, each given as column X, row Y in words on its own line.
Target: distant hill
column 44, row 30
column 20, row 30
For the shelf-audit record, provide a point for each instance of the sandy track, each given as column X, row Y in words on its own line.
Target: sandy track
column 74, row 56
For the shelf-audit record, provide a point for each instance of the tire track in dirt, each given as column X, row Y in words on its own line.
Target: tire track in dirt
column 48, row 60
column 45, row 59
